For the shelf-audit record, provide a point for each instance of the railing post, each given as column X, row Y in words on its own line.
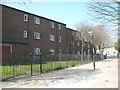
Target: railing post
column 60, row 60
column 12, row 62
column 13, row 72
column 40, row 63
column 31, row 63
column 67, row 59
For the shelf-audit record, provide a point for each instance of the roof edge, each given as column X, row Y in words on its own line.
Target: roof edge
column 32, row 14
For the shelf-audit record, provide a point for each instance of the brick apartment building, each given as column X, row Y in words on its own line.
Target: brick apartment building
column 24, row 33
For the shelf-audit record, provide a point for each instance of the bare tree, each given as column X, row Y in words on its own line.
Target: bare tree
column 100, row 34
column 106, row 11
column 21, row 2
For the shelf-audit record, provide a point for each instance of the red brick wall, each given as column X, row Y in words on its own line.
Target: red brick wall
column 14, row 26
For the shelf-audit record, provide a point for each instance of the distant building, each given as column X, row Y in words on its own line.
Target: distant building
column 110, row 51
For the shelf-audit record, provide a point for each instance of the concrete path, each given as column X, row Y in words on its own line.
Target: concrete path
column 105, row 76
column 110, row 77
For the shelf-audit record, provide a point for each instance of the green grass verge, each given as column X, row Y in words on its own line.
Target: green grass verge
column 50, row 66
column 7, row 71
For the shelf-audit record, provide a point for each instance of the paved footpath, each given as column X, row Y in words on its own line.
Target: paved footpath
column 110, row 77
column 105, row 76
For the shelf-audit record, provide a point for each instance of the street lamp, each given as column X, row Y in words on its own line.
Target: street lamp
column 91, row 33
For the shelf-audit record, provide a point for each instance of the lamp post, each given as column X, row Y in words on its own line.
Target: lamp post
column 91, row 33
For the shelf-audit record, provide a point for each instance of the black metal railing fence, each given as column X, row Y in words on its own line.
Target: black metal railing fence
column 42, row 64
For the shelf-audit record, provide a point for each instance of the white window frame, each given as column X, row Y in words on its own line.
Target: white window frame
column 25, row 17
column 51, row 24
column 36, row 51
column 36, row 20
column 60, row 39
column 52, row 38
column 25, row 34
column 78, row 43
column 36, row 35
column 78, row 52
column 73, row 33
column 60, row 51
column 52, row 52
column 59, row 26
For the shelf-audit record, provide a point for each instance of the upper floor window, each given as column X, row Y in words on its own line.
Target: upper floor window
column 36, row 35
column 51, row 24
column 52, row 51
column 36, row 51
column 78, row 43
column 73, row 33
column 59, row 26
column 25, row 34
column 25, row 17
column 60, row 39
column 36, row 20
column 52, row 38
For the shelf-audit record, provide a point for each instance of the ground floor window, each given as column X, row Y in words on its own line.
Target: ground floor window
column 52, row 51
column 60, row 51
column 78, row 52
column 36, row 51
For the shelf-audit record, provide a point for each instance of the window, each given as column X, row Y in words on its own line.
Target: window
column 60, row 51
column 78, row 43
column 78, row 52
column 51, row 24
column 73, row 33
column 59, row 26
column 52, row 51
column 52, row 38
column 114, row 52
column 60, row 39
column 73, row 52
column 36, row 35
column 25, row 34
column 36, row 51
column 36, row 20
column 25, row 17
column 73, row 43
